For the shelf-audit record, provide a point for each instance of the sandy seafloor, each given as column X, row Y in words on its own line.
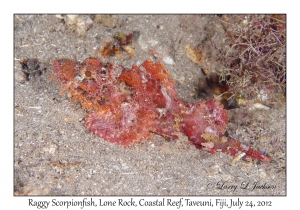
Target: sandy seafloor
column 54, row 154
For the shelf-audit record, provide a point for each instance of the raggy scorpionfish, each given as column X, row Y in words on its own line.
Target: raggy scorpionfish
column 126, row 107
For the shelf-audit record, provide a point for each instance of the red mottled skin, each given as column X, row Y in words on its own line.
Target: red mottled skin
column 125, row 107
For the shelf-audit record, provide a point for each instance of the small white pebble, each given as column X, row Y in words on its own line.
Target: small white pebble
column 260, row 106
column 245, row 22
column 59, row 16
column 168, row 60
